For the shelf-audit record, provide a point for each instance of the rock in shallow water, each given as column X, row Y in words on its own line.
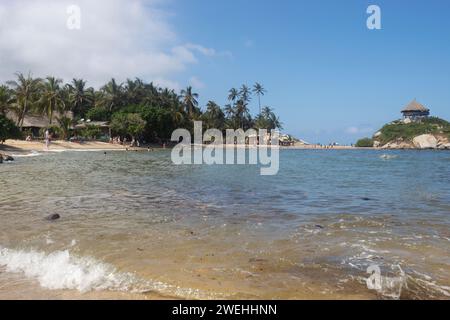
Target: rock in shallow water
column 5, row 157
column 53, row 217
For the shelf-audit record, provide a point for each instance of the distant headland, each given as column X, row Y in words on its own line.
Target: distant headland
column 416, row 130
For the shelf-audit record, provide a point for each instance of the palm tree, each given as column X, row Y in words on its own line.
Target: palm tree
column 214, row 116
column 245, row 94
column 6, row 99
column 134, row 91
column 259, row 90
column 65, row 124
column 241, row 112
column 113, row 95
column 26, row 91
column 190, row 101
column 78, row 96
column 233, row 94
column 267, row 119
column 52, row 99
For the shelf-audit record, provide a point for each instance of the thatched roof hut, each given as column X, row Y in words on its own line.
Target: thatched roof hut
column 38, row 120
column 414, row 110
column 35, row 122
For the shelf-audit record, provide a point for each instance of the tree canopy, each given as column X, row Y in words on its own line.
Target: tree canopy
column 135, row 108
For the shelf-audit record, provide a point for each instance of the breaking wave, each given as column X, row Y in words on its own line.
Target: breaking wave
column 61, row 270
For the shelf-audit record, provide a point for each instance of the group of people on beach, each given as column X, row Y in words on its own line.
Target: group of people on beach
column 117, row 140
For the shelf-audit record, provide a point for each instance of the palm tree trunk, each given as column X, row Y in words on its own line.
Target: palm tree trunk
column 22, row 117
column 50, row 114
column 259, row 102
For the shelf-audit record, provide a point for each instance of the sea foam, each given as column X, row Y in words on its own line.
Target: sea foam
column 62, row 270
column 28, row 155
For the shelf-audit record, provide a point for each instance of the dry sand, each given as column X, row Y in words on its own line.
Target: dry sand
column 20, row 146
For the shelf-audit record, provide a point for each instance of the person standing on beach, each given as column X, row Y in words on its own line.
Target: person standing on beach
column 47, row 139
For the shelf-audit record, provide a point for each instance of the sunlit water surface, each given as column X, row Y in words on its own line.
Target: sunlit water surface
column 135, row 226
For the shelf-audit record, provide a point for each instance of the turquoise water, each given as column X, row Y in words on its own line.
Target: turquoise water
column 135, row 223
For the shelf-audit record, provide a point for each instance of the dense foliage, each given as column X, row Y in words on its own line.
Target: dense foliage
column 364, row 143
column 407, row 131
column 135, row 108
column 8, row 130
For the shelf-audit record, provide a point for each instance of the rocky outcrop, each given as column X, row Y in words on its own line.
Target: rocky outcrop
column 422, row 142
column 398, row 144
column 443, row 146
column 425, row 141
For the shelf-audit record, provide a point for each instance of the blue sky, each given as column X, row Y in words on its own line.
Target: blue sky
column 328, row 77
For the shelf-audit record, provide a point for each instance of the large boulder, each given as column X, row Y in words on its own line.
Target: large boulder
column 425, row 141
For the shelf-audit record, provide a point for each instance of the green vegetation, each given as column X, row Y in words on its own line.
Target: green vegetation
column 135, row 108
column 128, row 124
column 98, row 114
column 8, row 130
column 65, row 125
column 364, row 143
column 91, row 132
column 407, row 131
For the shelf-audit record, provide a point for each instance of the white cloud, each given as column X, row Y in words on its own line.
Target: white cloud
column 117, row 39
column 206, row 51
column 248, row 43
column 209, row 52
column 357, row 130
column 196, row 83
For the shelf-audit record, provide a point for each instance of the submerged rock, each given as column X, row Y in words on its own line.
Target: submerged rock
column 5, row 157
column 53, row 217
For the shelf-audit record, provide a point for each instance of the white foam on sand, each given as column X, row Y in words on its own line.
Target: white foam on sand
column 61, row 270
column 28, row 155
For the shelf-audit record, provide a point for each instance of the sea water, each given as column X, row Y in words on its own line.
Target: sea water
column 133, row 225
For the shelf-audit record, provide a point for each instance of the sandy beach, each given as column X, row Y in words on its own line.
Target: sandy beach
column 24, row 147
column 13, row 146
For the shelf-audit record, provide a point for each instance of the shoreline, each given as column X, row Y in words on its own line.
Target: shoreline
column 21, row 147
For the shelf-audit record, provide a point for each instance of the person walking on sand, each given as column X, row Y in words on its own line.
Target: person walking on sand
column 47, row 139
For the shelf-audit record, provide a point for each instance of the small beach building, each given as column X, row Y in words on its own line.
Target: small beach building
column 415, row 111
column 33, row 123
column 103, row 126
